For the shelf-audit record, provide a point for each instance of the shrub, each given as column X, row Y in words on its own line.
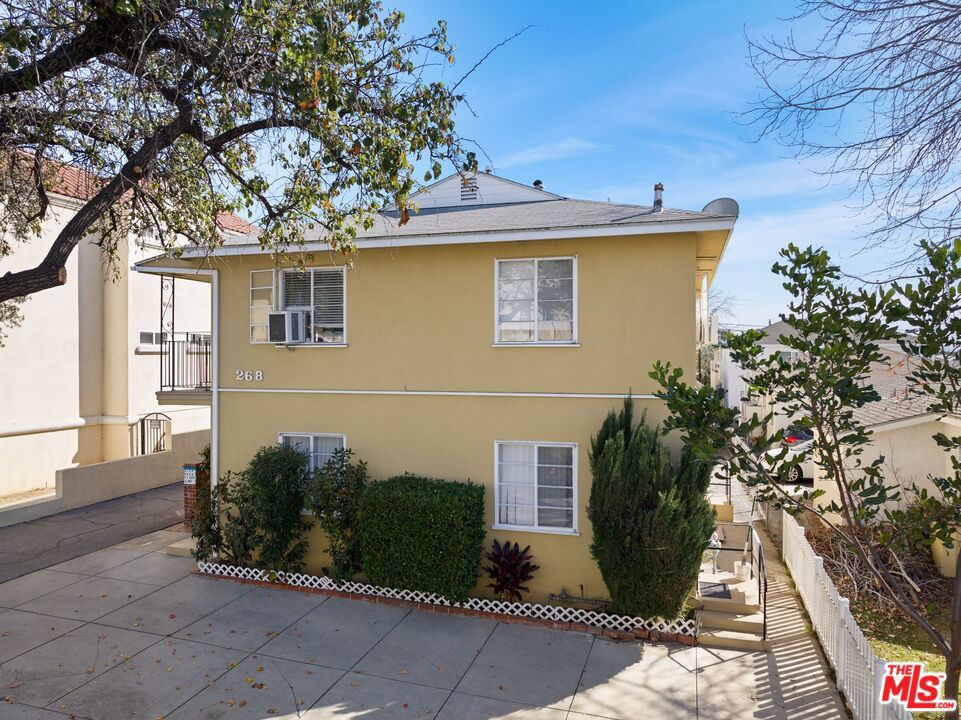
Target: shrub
column 422, row 534
column 335, row 493
column 651, row 522
column 274, row 487
column 260, row 513
column 510, row 568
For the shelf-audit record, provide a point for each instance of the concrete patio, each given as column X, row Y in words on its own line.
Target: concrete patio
column 129, row 632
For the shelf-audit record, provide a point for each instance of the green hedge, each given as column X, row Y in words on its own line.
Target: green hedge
column 422, row 534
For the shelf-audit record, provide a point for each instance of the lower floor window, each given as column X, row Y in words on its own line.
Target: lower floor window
column 536, row 485
column 319, row 448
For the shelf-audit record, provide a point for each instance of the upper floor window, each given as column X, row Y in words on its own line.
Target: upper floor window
column 150, row 340
column 537, row 301
column 261, row 303
column 319, row 295
column 298, row 306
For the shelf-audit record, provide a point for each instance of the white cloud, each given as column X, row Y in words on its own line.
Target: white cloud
column 570, row 147
column 693, row 186
column 758, row 238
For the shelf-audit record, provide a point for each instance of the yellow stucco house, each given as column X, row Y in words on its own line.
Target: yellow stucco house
column 484, row 340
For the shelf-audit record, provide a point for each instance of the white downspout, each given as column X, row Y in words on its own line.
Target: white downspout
column 215, row 386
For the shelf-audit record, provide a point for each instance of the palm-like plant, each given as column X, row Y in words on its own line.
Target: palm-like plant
column 510, row 567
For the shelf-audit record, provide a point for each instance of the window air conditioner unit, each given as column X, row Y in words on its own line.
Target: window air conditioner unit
column 286, row 327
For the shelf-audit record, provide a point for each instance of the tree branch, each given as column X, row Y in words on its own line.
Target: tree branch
column 52, row 271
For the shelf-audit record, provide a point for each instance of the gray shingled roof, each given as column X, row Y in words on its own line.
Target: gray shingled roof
column 515, row 217
column 539, row 215
column 774, row 331
column 890, row 379
column 898, row 401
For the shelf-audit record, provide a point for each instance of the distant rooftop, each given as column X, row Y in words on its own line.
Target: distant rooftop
column 890, row 379
column 78, row 184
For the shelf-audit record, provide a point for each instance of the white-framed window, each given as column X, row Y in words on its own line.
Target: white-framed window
column 536, row 301
column 150, row 340
column 535, row 486
column 790, row 356
column 320, row 293
column 261, row 303
column 319, row 447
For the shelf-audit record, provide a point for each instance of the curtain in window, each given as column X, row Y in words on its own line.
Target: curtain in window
column 261, row 303
column 555, row 487
column 535, row 300
column 535, row 485
column 515, row 301
column 324, row 449
column 516, row 487
column 555, row 300
column 318, row 448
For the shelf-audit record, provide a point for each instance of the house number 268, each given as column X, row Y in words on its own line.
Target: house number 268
column 250, row 375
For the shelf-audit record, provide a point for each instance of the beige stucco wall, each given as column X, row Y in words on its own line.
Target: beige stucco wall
column 422, row 319
column 46, row 374
column 910, row 457
column 87, row 484
column 191, row 314
column 70, row 380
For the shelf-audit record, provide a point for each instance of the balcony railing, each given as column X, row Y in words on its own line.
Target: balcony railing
column 185, row 361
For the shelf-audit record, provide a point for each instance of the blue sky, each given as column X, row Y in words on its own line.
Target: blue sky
column 603, row 100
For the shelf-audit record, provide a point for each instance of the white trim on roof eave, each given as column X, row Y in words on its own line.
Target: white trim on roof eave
column 493, row 237
column 717, row 265
column 919, row 419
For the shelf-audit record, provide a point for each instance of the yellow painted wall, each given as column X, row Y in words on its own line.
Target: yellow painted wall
column 444, row 437
column 422, row 318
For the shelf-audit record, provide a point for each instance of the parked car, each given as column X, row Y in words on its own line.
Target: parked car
column 796, row 434
column 800, row 472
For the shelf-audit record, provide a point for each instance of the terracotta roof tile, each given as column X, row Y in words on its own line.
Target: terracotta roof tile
column 229, row 221
column 73, row 182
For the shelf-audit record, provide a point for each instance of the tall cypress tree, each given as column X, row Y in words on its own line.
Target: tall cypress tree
column 651, row 521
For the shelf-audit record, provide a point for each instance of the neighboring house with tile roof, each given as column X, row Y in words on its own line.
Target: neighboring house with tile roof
column 80, row 373
column 486, row 338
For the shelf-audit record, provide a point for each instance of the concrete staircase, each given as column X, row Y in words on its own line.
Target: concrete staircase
column 182, row 548
column 735, row 621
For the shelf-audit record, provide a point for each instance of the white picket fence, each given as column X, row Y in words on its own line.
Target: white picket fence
column 857, row 668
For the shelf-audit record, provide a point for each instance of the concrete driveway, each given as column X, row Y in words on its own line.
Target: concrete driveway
column 130, row 632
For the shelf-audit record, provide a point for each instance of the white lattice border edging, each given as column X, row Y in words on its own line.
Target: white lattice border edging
column 552, row 613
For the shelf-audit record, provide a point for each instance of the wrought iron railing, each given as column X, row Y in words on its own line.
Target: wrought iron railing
column 185, row 361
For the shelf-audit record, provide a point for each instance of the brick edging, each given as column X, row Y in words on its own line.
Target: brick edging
column 639, row 634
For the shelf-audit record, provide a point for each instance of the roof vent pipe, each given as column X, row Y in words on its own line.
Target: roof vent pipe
column 658, row 198
column 538, row 185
